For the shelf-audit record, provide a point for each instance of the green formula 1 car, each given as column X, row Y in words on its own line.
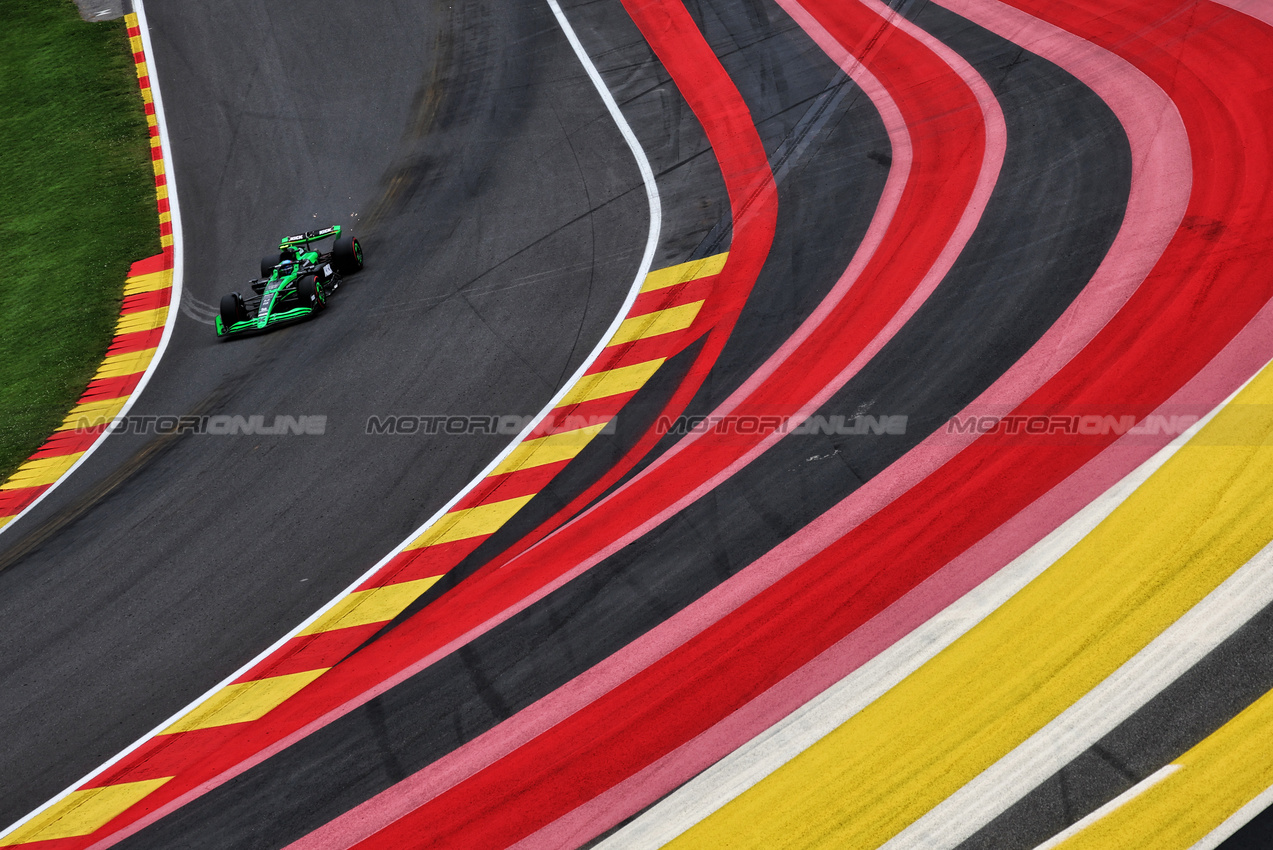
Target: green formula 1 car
column 294, row 284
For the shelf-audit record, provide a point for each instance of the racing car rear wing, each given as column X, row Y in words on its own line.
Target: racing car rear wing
column 310, row 236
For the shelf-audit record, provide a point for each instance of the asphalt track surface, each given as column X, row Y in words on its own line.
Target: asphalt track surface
column 632, row 681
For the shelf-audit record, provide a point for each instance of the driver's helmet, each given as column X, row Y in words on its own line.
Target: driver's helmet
column 285, row 267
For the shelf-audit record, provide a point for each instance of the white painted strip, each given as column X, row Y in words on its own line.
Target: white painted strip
column 1170, row 655
column 749, row 764
column 178, row 254
column 1113, row 805
column 1234, row 822
column 647, row 259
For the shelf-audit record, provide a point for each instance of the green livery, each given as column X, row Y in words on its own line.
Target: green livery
column 293, row 286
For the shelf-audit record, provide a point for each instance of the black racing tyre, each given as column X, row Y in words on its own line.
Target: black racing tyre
column 309, row 291
column 232, row 309
column 268, row 262
column 347, row 255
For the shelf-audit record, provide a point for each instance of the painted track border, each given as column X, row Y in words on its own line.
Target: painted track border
column 171, row 261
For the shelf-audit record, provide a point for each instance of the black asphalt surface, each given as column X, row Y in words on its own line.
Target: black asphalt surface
column 503, row 219
column 1044, row 232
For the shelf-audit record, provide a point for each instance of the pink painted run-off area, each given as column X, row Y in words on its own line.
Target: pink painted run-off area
column 1261, row 10
column 459, row 765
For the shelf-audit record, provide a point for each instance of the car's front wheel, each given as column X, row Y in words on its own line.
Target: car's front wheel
column 309, row 290
column 232, row 309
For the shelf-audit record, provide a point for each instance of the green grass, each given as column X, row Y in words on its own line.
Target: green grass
column 76, row 207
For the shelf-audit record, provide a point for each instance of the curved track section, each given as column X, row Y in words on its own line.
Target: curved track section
column 930, row 489
column 168, row 561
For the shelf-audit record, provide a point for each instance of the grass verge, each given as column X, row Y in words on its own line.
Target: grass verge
column 77, row 206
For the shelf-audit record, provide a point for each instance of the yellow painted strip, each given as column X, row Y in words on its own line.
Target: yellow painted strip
column 143, row 320
column 470, row 522
column 146, row 96
column 134, row 41
column 694, row 269
column 41, row 471
column 376, row 605
column 5, row 520
column 1189, row 527
column 165, row 241
column 92, row 413
column 549, row 449
column 165, row 216
column 155, row 142
column 1220, row 775
column 161, row 191
column 148, row 282
column 142, row 70
column 653, row 324
column 625, row 379
column 83, row 812
column 244, row 702
column 118, row 365
column 157, row 165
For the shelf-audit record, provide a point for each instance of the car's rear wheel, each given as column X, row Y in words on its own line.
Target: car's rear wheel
column 309, row 291
column 347, row 255
column 232, row 309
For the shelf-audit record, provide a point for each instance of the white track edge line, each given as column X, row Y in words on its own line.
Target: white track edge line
column 1110, row 807
column 656, row 219
column 178, row 253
